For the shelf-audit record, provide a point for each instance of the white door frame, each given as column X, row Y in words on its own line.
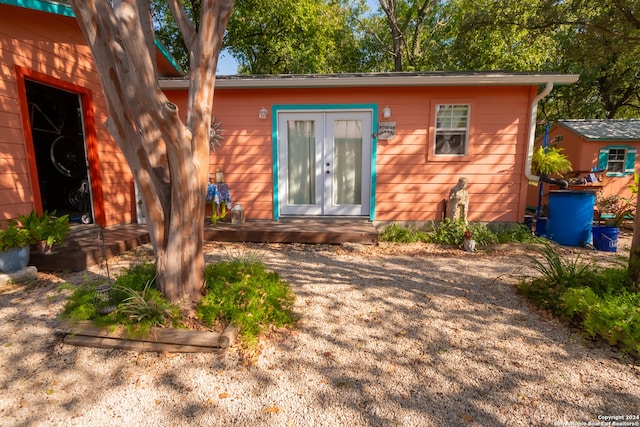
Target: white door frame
column 323, row 203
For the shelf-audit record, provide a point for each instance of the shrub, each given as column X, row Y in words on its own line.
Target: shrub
column 240, row 291
column 399, row 234
column 600, row 301
column 246, row 294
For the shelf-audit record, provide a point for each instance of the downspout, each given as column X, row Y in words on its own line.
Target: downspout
column 532, row 131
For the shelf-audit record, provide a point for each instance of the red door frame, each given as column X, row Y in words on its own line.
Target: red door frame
column 90, row 136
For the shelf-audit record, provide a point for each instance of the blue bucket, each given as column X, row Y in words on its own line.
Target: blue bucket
column 605, row 238
column 570, row 216
column 541, row 226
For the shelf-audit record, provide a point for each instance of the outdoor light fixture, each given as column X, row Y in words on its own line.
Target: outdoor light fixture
column 386, row 112
column 262, row 114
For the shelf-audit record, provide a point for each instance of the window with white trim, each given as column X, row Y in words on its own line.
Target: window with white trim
column 452, row 129
column 617, row 160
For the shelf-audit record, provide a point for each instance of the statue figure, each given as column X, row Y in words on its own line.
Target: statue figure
column 458, row 201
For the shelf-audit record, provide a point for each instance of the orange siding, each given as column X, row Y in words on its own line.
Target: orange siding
column 411, row 183
column 51, row 46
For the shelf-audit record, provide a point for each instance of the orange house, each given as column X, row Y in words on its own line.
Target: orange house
column 603, row 154
column 383, row 146
column 55, row 152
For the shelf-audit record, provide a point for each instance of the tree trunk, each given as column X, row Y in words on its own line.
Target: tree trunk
column 390, row 8
column 634, row 256
column 168, row 159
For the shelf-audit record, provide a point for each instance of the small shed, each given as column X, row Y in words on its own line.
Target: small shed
column 603, row 153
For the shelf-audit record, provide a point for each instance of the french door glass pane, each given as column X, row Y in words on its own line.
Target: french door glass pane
column 301, row 154
column 347, row 159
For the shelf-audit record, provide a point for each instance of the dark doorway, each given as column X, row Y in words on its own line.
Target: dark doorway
column 60, row 151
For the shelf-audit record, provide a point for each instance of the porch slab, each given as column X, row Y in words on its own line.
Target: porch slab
column 88, row 245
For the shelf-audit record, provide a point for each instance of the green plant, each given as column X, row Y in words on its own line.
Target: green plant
column 244, row 293
column 561, row 272
column 139, row 305
column 516, row 233
column 13, row 236
column 47, row 227
column 147, row 306
column 601, row 302
column 450, row 232
column 399, row 234
column 549, row 161
column 619, row 207
column 240, row 291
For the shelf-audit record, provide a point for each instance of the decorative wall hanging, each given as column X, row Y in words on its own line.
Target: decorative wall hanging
column 215, row 134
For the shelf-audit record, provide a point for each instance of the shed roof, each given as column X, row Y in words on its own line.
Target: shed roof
column 438, row 78
column 605, row 129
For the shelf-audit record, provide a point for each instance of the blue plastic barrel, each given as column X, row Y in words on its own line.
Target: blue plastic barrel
column 605, row 238
column 570, row 216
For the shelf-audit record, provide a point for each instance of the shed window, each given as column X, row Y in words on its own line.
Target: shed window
column 618, row 161
column 452, row 129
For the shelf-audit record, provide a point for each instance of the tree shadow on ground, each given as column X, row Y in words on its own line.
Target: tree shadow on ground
column 414, row 338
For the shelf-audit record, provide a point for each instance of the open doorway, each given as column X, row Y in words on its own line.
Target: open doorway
column 60, row 151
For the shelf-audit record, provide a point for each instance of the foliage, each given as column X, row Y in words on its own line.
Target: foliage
column 292, row 36
column 146, row 306
column 602, row 302
column 620, row 207
column 450, row 232
column 243, row 292
column 46, row 227
column 549, row 161
column 399, row 234
column 240, row 291
column 13, row 236
column 139, row 305
column 516, row 233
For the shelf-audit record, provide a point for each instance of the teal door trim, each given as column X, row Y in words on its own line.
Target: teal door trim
column 275, row 109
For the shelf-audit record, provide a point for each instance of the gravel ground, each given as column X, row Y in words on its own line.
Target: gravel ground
column 412, row 335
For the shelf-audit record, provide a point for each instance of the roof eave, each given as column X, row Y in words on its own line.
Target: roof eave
column 378, row 80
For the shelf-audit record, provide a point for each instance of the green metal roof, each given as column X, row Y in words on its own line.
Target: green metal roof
column 605, row 129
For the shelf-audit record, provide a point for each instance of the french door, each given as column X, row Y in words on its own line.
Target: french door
column 324, row 163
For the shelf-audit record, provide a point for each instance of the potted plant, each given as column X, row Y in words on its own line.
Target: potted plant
column 14, row 247
column 550, row 161
column 46, row 230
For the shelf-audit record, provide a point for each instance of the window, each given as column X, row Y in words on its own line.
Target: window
column 452, row 129
column 617, row 160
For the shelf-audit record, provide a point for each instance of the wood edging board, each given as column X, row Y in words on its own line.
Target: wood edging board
column 86, row 333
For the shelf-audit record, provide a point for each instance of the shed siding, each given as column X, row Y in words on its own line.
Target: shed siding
column 583, row 155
